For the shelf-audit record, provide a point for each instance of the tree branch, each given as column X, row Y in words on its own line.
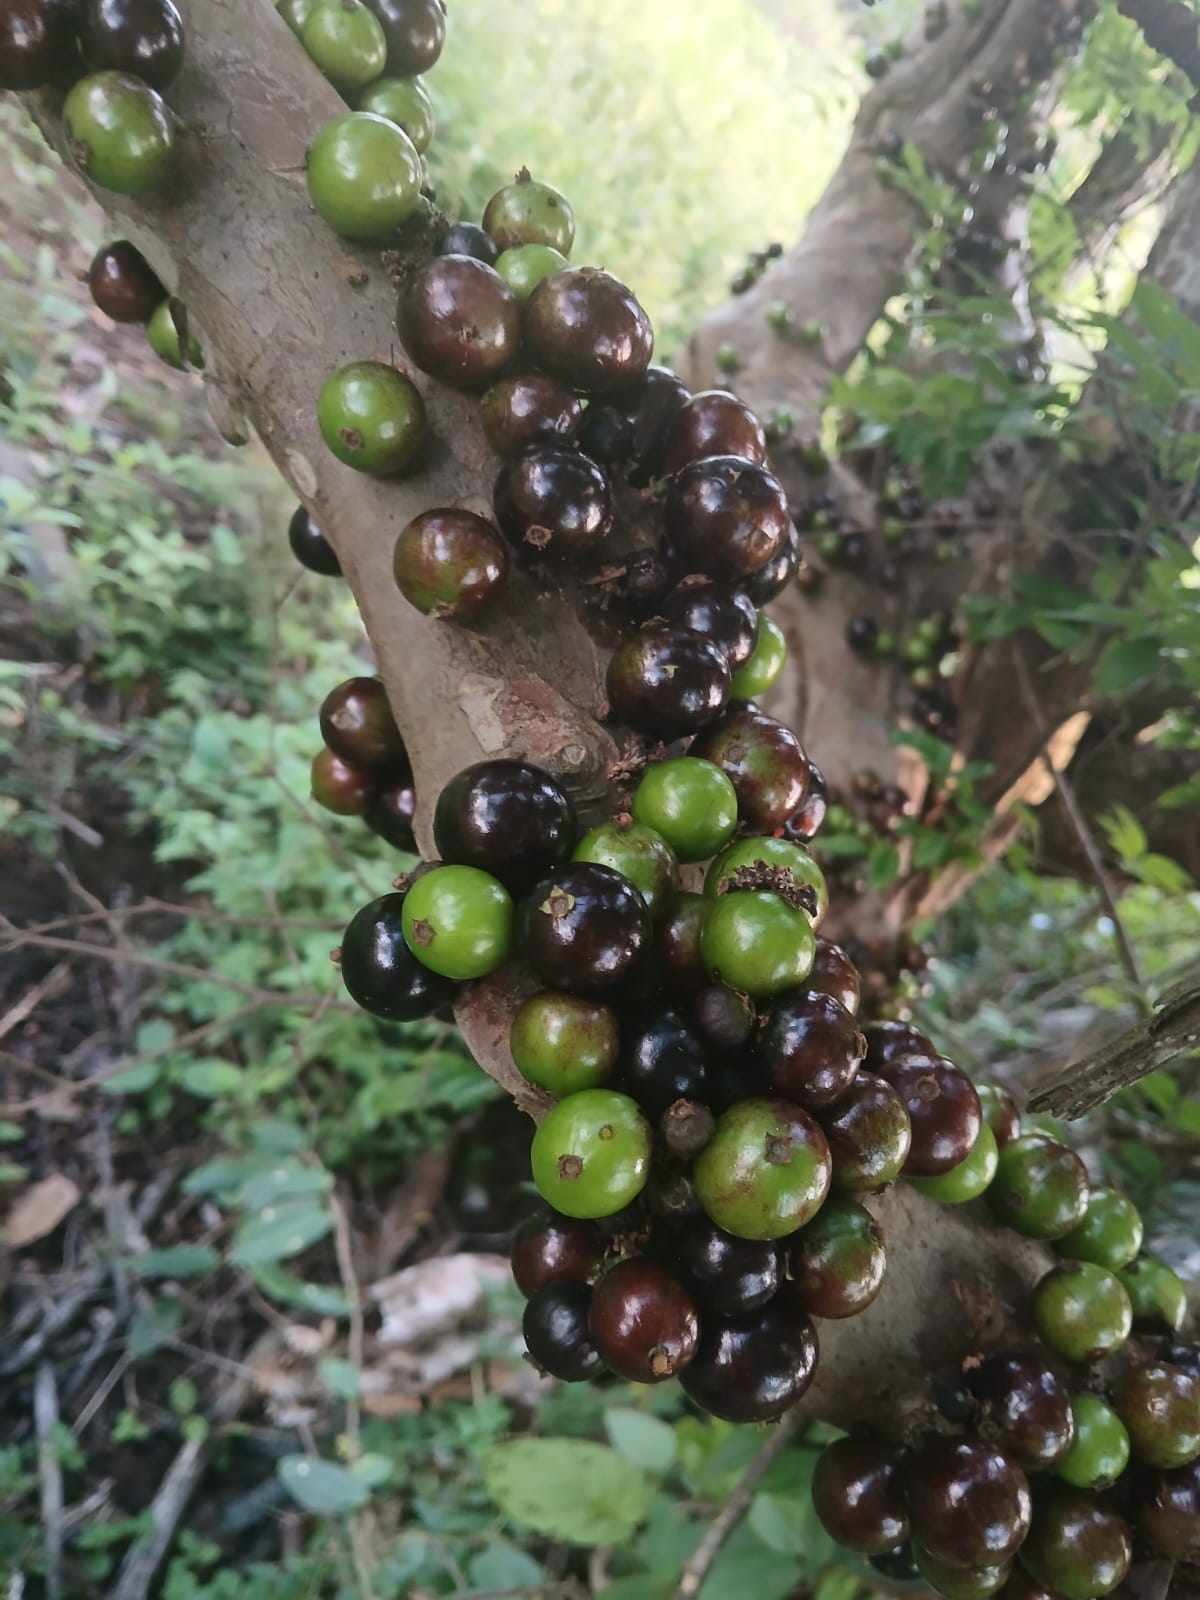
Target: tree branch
column 1169, row 1035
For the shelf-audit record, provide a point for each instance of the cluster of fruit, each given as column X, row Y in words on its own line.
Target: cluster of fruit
column 115, row 57
column 363, row 769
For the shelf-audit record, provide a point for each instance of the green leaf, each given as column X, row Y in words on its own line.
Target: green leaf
column 341, row 1378
column 1185, row 1117
column 153, row 1326
column 323, row 1486
column 773, row 1518
column 501, row 1566
column 1160, row 1089
column 282, row 1181
column 319, row 1298
column 1161, row 872
column 134, row 1080
column 1125, row 662
column 1124, row 832
column 645, row 1440
column 179, row 1261
column 280, row 1231
column 279, row 1137
column 11, row 1132
column 568, row 1489
column 211, row 1079
column 373, row 1469
column 883, row 865
column 225, row 1174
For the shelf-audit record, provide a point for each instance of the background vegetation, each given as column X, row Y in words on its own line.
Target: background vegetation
column 162, row 666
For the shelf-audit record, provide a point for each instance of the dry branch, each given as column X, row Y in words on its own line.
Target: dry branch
column 1171, row 1034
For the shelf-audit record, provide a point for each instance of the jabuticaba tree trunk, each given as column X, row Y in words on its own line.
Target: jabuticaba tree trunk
column 280, row 302
column 850, row 259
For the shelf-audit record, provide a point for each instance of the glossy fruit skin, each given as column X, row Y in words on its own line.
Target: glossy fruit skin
column 666, row 683
column 1023, row 1408
column 339, row 786
column 528, row 212
column 459, row 321
column 643, row 1322
column 858, row 1497
column 357, row 724
column 450, row 564
column 549, row 1249
column 294, row 13
column 755, row 942
column 1082, row 1311
column 767, row 660
column 1077, row 1547
column 726, row 616
column 415, row 31
column 960, row 1583
column 690, row 803
column 379, row 970
column 584, row 928
column 120, row 134
column 833, row 973
column 124, row 284
column 364, row 176
column 556, row 1332
column 651, row 412
column 1168, row 1511
column 1110, row 1234
column 37, row 42
column 751, row 1368
column 390, row 813
column 944, row 1111
column 405, row 102
column 1099, row 1451
column 586, row 327
column 969, row 1502
column 525, row 265
column 803, row 876
column 310, row 546
column 837, row 1262
column 507, row 817
column 677, row 944
column 1157, row 1295
column 346, row 41
column 663, row 1060
column 554, row 504
column 999, row 1112
column 591, row 1153
column 766, row 1170
column 1040, row 1188
column 529, row 409
column 565, row 1043
column 724, row 1018
column 763, row 760
column 1160, row 1407
column 465, row 239
column 726, row 517
column 899, row 1565
column 372, row 418
column 806, row 823
column 869, row 1136
column 637, row 852
column 141, row 37
column 889, row 1042
column 714, row 423
column 459, row 922
column 769, row 582
column 969, row 1179
column 730, row 1277
column 163, row 338
column 811, row 1049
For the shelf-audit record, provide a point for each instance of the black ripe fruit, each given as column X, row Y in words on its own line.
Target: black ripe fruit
column 554, row 504
column 810, row 1048
column 415, row 31
column 858, row 1496
column 459, row 321
column 555, row 1326
column 379, row 970
column 643, row 1322
column 585, row 327
column 38, row 43
column 714, row 423
column 142, row 37
column 752, row 1368
column 728, row 1276
column 584, row 929
column 124, row 284
column 357, row 725
column 969, row 1501
column 507, row 818
column 310, row 546
column 726, row 517
column 667, row 682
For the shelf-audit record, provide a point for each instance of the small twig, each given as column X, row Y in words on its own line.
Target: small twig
column 698, row 1564
column 54, row 981
column 1082, row 831
column 358, row 1528
column 1171, row 1032
column 45, row 1418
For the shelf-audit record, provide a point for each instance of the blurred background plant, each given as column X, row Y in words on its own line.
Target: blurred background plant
column 209, row 1157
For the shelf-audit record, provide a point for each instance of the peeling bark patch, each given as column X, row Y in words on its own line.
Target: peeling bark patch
column 302, row 473
column 478, row 696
